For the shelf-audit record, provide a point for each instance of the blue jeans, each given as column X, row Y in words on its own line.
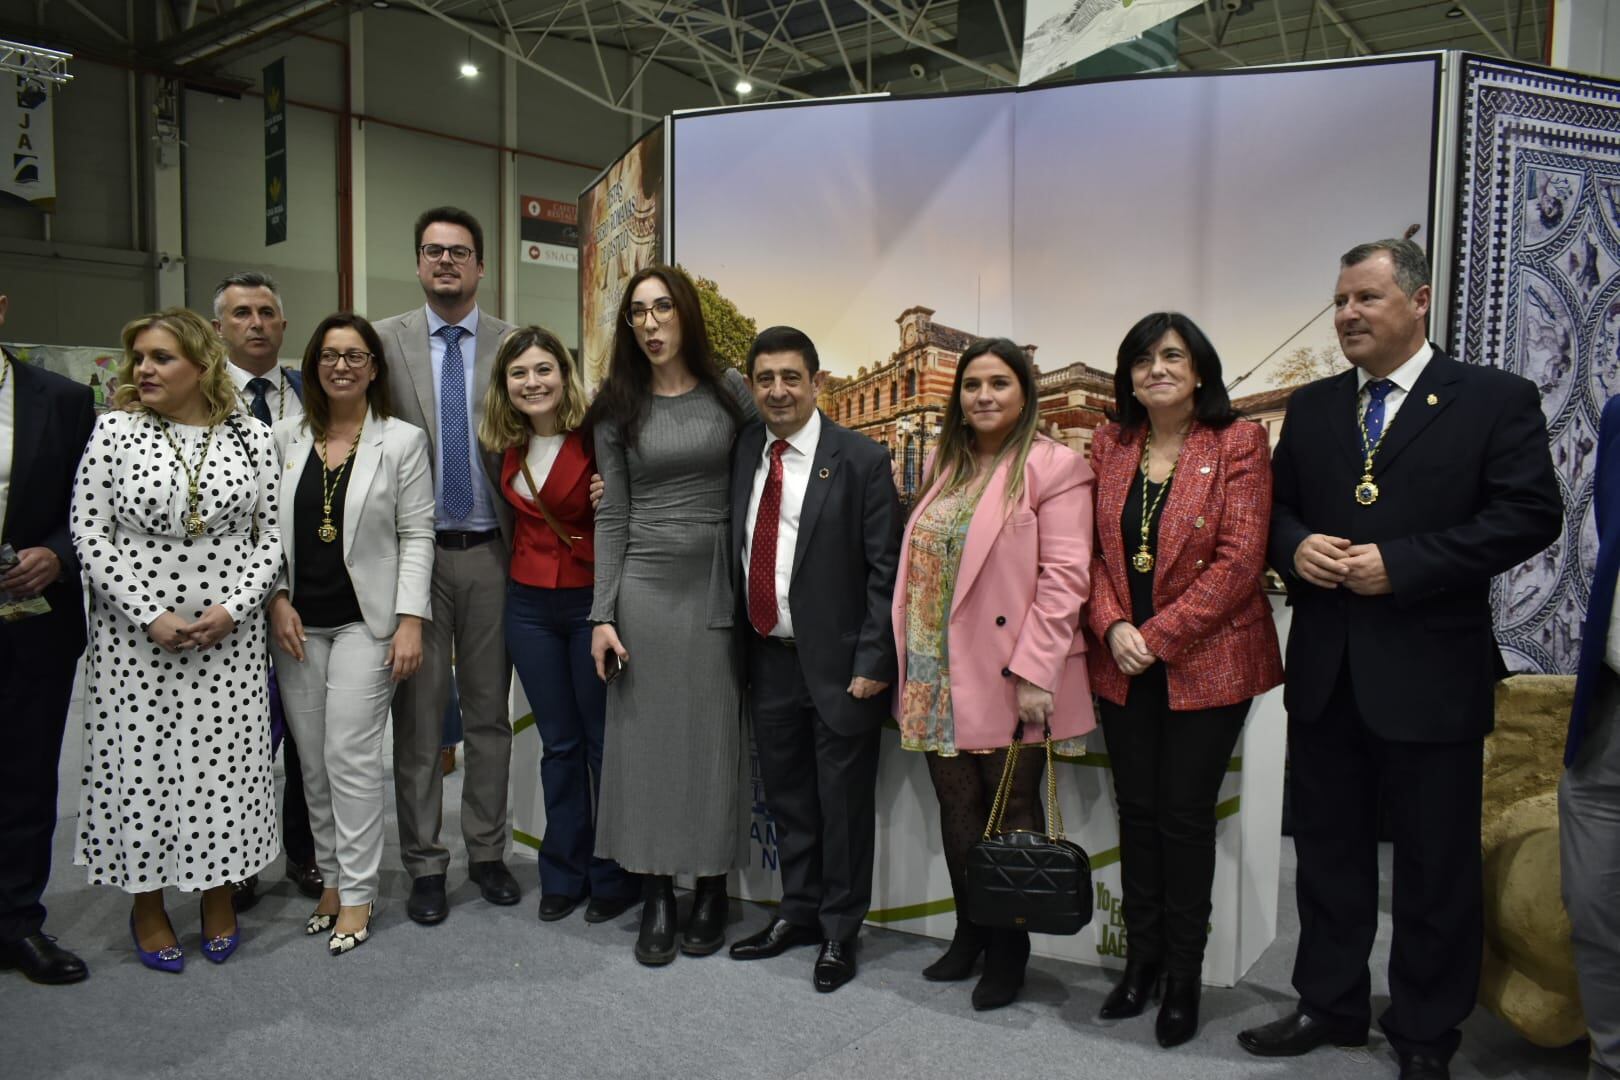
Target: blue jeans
column 548, row 634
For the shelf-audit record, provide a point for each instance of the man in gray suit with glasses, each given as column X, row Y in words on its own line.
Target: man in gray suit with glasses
column 440, row 357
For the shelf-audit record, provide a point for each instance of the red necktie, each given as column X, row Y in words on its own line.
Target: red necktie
column 762, row 556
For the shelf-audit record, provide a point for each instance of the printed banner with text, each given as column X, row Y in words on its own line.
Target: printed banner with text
column 550, row 232
column 621, row 226
column 275, row 154
column 25, row 115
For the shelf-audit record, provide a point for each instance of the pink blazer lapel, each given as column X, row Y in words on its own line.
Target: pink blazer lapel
column 989, row 516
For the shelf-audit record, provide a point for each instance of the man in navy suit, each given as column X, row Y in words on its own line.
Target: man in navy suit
column 45, row 422
column 1401, row 487
column 816, row 525
column 249, row 317
column 1589, row 794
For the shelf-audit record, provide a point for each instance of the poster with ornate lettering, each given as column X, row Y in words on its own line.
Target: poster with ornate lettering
column 621, row 229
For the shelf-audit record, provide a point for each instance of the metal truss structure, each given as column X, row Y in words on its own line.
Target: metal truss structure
column 758, row 50
column 40, row 65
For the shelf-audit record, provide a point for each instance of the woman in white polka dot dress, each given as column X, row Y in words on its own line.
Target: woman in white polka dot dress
column 174, row 519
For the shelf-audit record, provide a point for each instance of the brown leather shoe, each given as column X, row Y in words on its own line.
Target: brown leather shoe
column 307, row 876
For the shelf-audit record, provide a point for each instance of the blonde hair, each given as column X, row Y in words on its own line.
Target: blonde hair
column 199, row 345
column 500, row 425
column 953, row 459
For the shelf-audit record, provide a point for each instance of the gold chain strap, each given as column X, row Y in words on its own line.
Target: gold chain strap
column 1054, row 816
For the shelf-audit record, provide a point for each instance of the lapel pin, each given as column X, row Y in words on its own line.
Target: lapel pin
column 824, row 473
column 1433, row 400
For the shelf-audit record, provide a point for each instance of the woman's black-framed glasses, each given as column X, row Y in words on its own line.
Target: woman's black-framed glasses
column 662, row 310
column 352, row 358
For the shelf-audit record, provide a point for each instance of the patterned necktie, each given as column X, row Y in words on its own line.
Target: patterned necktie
column 1372, row 421
column 260, row 405
column 455, row 467
column 762, row 611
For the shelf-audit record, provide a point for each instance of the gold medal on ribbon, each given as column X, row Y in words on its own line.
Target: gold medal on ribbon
column 1142, row 562
column 195, row 524
column 192, row 522
column 1366, row 491
column 330, row 481
column 327, row 532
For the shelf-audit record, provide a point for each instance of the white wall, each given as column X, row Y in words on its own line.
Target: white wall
column 1586, row 36
column 90, row 276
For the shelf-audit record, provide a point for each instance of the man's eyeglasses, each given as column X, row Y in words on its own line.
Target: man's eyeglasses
column 354, row 358
column 661, row 310
column 459, row 253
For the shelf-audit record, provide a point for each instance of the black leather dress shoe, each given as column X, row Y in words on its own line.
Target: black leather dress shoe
column 307, row 877
column 1424, row 1067
column 554, row 906
column 39, row 957
column 428, row 905
column 706, row 929
column 774, row 940
column 1293, row 1035
column 607, row 908
column 655, row 944
column 835, row 965
column 495, row 882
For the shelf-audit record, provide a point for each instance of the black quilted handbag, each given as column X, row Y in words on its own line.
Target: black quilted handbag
column 1022, row 880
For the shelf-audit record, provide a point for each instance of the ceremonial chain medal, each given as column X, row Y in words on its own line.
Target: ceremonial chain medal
column 193, row 521
column 5, row 371
column 1366, row 489
column 1142, row 561
column 281, row 398
column 329, row 484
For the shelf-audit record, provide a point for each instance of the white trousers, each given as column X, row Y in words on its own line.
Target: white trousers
column 336, row 702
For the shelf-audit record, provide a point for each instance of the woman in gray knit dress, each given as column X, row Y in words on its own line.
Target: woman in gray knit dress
column 664, row 420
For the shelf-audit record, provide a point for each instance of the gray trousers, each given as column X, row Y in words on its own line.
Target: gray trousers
column 1589, row 840
column 336, row 702
column 469, row 601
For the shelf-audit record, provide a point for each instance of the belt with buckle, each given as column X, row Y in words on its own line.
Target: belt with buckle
column 461, row 541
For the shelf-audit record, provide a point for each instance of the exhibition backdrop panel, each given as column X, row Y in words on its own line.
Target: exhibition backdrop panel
column 1059, row 215
column 1537, row 291
column 621, row 230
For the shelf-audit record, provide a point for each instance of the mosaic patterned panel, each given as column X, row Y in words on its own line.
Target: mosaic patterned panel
column 1537, row 292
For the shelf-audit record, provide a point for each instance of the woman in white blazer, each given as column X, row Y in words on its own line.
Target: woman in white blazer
column 346, row 616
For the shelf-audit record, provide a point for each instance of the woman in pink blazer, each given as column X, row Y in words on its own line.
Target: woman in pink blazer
column 994, row 569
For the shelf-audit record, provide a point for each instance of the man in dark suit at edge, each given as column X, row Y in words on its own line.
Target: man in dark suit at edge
column 45, row 422
column 816, row 524
column 1401, row 488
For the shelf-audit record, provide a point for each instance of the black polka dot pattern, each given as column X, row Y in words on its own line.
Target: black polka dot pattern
column 176, row 787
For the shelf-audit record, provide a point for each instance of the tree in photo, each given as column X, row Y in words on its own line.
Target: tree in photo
column 1306, row 364
column 730, row 331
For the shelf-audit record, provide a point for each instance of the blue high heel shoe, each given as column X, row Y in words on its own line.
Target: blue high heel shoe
column 219, row 948
column 169, row 958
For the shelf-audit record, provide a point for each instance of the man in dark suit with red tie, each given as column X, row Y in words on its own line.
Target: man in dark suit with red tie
column 816, row 523
column 1400, row 489
column 45, row 422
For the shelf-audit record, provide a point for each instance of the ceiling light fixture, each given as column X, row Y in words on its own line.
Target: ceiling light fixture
column 469, row 70
column 1455, row 13
column 744, row 88
column 380, row 5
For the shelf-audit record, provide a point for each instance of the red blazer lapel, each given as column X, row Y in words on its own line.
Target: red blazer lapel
column 1195, row 475
column 572, row 458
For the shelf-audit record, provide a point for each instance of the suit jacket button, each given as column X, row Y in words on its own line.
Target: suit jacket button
column 1006, row 673
column 1199, row 564
column 1198, row 523
column 1001, row 620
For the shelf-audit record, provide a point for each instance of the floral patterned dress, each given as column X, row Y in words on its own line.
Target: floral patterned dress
column 933, row 558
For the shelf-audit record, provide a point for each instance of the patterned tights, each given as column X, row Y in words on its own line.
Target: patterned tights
column 966, row 788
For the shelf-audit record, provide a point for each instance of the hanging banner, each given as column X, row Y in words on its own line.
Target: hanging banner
column 621, row 225
column 25, row 117
column 275, row 154
column 1059, row 33
column 550, row 232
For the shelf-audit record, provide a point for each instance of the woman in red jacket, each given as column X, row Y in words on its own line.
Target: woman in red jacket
column 1183, row 507
column 532, row 412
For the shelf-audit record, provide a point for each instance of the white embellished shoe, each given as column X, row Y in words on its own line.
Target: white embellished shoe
column 340, row 943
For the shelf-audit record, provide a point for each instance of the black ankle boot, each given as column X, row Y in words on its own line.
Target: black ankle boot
column 1004, row 959
column 957, row 963
column 1131, row 994
column 1178, row 1016
column 655, row 944
column 706, row 929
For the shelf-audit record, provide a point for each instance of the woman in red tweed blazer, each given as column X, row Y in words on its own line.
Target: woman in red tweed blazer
column 1183, row 509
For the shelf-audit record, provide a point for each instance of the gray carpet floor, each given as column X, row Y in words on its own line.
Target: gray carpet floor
column 495, row 993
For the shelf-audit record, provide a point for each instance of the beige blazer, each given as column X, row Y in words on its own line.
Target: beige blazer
column 415, row 398
column 387, row 518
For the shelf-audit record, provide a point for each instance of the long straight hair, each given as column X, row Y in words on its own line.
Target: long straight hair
column 953, row 460
column 625, row 393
